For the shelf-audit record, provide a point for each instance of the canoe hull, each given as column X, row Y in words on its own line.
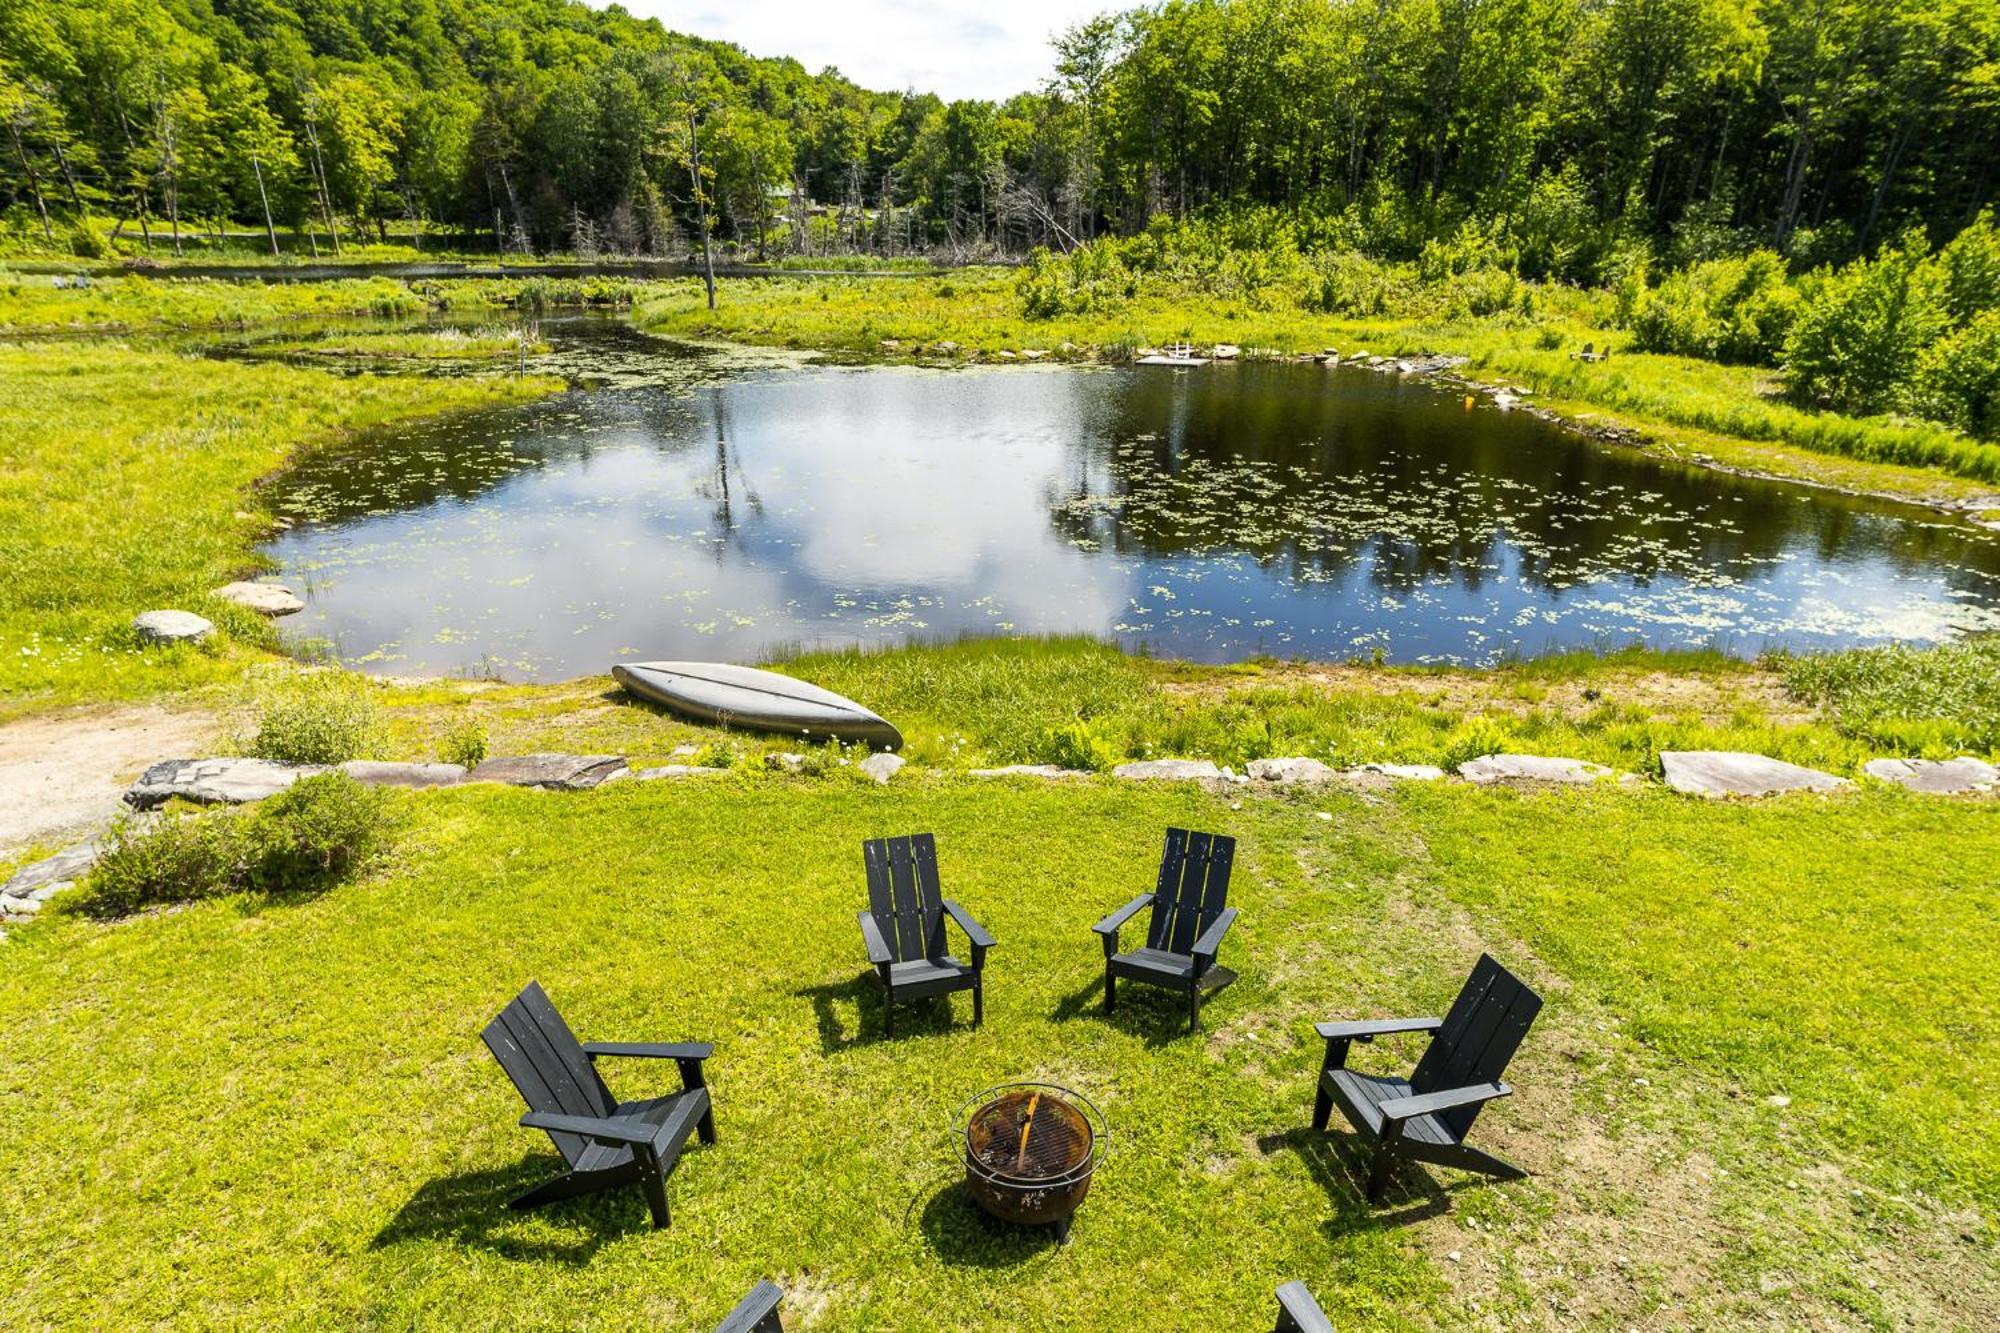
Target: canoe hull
column 755, row 700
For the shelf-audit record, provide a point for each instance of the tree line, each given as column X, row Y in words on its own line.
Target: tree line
column 1575, row 133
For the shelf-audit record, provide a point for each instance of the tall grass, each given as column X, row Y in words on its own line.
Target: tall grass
column 1935, row 701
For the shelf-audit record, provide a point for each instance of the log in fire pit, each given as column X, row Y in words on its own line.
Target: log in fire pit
column 1030, row 1150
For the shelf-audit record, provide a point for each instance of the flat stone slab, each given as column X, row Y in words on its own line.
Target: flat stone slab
column 51, row 875
column 1296, row 769
column 668, row 771
column 784, row 762
column 214, row 781
column 554, row 772
column 1734, row 773
column 882, row 766
column 1050, row 772
column 171, row 627
column 1397, row 772
column 1168, row 770
column 378, row 774
column 1491, row 768
column 1936, row 777
column 266, row 599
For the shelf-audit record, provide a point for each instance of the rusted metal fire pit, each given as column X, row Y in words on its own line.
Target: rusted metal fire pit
column 1030, row 1151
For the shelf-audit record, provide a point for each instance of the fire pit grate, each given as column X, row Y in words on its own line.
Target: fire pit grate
column 1030, row 1150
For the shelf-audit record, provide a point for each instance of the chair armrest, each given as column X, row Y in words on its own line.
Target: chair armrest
column 1298, row 1312
column 630, row 1134
column 1110, row 924
column 1211, row 939
column 973, row 930
column 871, row 935
column 1368, row 1029
column 751, row 1312
column 1403, row 1108
column 651, row 1050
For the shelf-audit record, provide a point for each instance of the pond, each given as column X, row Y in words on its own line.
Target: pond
column 691, row 505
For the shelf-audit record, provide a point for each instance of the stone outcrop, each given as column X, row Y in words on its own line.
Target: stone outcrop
column 266, row 599
column 214, row 781
column 552, row 772
column 1735, row 773
column 1295, row 769
column 1492, row 768
column 1169, row 770
column 882, row 766
column 1937, row 777
column 379, row 774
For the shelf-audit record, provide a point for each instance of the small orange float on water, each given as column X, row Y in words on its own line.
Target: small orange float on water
column 1470, row 400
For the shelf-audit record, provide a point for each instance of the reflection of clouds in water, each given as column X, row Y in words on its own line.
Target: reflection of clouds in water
column 1254, row 511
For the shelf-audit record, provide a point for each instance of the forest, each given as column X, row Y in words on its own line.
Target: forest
column 1578, row 133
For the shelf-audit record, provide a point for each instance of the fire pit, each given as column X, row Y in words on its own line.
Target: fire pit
column 1030, row 1150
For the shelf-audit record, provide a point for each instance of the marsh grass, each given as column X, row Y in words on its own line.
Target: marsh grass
column 127, row 484
column 1935, row 701
column 33, row 304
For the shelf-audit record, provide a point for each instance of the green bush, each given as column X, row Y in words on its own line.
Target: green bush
column 1861, row 331
column 1958, row 379
column 1971, row 265
column 315, row 833
column 1472, row 738
column 1345, row 282
column 464, row 743
column 87, row 242
column 321, row 717
column 1077, row 745
column 1739, row 309
column 320, row 831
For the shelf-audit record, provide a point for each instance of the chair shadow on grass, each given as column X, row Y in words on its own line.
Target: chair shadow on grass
column 1154, row 1014
column 914, row 1018
column 961, row 1234
column 1340, row 1163
column 470, row 1208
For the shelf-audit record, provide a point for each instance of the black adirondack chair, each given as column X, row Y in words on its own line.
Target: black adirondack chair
column 1190, row 916
column 606, row 1142
column 757, row 1312
column 904, row 928
column 1426, row 1117
column 1298, row 1312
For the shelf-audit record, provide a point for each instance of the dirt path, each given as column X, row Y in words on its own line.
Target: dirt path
column 64, row 772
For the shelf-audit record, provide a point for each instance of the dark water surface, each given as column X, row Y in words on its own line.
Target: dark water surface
column 689, row 506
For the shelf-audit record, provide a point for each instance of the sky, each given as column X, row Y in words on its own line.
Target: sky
column 954, row 48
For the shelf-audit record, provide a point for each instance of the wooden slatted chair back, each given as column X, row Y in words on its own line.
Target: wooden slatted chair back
column 547, row 1064
column 1193, row 888
column 1478, row 1037
column 903, row 895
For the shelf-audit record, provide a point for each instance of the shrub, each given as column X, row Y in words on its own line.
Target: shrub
column 719, row 753
column 87, row 242
column 1971, row 265
column 315, row 833
column 322, row 717
column 1076, row 745
column 1739, row 309
column 1472, row 738
column 175, row 858
column 464, row 743
column 1958, row 379
column 320, row 831
column 1346, row 283
column 1860, row 333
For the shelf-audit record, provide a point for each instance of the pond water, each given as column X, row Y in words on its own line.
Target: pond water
column 689, row 505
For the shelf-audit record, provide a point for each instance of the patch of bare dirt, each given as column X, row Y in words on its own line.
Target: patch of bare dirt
column 63, row 773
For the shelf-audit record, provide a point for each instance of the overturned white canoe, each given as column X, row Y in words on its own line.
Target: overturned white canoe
column 740, row 696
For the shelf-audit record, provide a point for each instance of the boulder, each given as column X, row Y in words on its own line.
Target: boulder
column 378, row 774
column 1049, row 771
column 214, row 781
column 171, row 627
column 784, row 762
column 266, row 599
column 1290, row 770
column 673, row 771
column 1936, row 777
column 1168, row 770
column 552, row 772
column 1734, row 773
column 1491, row 768
column 51, row 875
column 882, row 766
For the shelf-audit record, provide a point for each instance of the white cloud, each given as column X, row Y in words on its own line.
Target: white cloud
column 954, row 48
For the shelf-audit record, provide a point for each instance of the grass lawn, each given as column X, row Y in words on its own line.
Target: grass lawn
column 256, row 1112
column 126, row 480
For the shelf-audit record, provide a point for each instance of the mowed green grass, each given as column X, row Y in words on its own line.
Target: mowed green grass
column 279, row 1113
column 126, row 485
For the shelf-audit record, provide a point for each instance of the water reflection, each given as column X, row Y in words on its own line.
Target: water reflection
column 691, row 509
